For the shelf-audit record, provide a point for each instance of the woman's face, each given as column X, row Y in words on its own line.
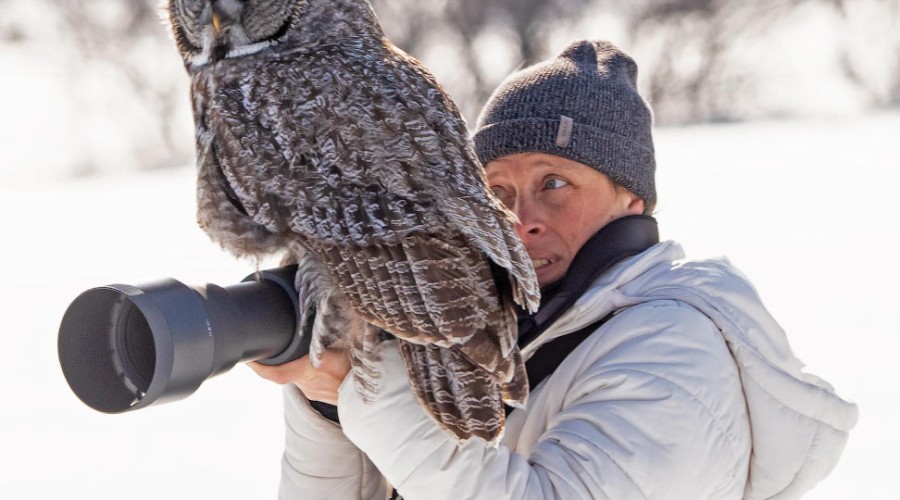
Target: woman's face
column 560, row 204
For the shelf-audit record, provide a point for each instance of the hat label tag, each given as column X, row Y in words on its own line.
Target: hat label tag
column 564, row 133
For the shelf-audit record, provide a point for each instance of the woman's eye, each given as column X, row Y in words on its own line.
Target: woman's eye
column 555, row 183
column 499, row 192
column 503, row 195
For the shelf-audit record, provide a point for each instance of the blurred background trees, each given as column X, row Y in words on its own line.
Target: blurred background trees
column 96, row 85
column 700, row 60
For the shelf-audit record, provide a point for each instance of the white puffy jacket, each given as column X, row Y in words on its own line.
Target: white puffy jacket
column 689, row 391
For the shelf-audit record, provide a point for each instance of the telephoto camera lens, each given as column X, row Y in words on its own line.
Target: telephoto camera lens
column 124, row 347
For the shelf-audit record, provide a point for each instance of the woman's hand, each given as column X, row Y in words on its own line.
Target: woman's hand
column 317, row 384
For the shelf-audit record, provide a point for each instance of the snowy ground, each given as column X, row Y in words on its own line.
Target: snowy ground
column 807, row 209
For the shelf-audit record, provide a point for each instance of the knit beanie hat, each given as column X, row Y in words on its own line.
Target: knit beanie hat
column 583, row 105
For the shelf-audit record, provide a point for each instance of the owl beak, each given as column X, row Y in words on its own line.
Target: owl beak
column 217, row 24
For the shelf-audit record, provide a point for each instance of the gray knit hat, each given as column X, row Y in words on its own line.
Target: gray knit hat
column 582, row 105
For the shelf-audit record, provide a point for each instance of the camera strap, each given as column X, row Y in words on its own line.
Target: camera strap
column 550, row 355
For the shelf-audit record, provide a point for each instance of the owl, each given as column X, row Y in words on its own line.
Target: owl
column 319, row 140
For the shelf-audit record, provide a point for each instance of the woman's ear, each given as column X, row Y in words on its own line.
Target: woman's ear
column 629, row 203
column 636, row 206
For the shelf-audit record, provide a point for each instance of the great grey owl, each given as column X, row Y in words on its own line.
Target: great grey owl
column 319, row 139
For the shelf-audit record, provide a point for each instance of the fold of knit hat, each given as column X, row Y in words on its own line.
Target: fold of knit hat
column 582, row 105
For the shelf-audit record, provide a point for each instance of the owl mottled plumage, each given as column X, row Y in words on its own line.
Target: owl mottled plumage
column 316, row 137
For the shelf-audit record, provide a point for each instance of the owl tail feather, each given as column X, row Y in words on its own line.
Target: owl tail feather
column 463, row 399
column 364, row 357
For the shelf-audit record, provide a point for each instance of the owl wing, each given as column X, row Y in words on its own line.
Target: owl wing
column 469, row 207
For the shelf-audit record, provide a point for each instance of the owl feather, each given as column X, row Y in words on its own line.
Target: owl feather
column 319, row 139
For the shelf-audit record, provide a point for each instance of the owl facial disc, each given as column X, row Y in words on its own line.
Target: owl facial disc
column 212, row 30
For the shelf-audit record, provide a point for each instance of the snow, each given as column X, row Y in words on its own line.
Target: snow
column 805, row 208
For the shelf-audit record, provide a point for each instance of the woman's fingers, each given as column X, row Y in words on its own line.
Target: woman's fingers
column 317, row 383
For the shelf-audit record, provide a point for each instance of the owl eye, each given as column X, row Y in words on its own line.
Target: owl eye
column 186, row 21
column 267, row 19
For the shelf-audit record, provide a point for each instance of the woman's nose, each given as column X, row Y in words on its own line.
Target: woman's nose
column 531, row 222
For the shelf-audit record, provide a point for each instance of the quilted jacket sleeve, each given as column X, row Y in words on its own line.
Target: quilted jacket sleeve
column 319, row 461
column 650, row 406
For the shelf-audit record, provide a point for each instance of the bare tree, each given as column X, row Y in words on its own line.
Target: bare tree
column 415, row 25
column 690, row 52
column 130, row 37
column 873, row 63
column 694, row 76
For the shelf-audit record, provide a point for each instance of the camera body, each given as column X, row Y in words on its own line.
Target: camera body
column 124, row 347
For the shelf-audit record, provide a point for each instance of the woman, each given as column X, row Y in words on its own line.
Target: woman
column 652, row 376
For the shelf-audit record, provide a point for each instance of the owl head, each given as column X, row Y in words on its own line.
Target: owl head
column 210, row 30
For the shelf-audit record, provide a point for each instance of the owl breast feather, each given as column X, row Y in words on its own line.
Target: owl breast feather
column 333, row 159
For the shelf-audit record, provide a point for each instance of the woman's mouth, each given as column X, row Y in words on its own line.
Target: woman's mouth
column 539, row 263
